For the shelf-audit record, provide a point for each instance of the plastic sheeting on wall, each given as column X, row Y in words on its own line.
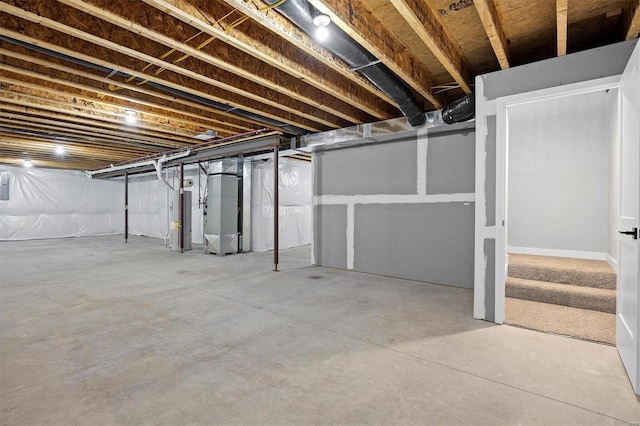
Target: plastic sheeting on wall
column 147, row 206
column 59, row 203
column 294, row 193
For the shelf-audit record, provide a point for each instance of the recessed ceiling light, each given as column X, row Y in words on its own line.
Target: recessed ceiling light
column 60, row 150
column 27, row 163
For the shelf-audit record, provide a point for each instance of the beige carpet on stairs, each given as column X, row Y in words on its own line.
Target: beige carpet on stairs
column 571, row 297
column 563, row 320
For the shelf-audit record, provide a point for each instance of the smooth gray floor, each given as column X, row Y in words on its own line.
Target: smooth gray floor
column 97, row 332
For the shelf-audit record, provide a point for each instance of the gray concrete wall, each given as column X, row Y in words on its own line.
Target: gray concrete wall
column 402, row 208
column 588, row 65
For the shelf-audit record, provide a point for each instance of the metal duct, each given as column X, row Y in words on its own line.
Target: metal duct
column 347, row 49
column 460, row 110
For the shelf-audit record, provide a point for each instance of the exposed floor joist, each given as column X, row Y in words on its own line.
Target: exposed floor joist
column 355, row 20
column 491, row 22
column 561, row 22
column 261, row 45
column 425, row 23
column 631, row 19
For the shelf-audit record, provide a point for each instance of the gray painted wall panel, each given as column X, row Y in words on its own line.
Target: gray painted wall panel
column 387, row 168
column 425, row 242
column 581, row 66
column 330, row 236
column 451, row 163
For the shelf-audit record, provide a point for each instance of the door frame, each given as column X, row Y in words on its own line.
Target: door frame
column 502, row 150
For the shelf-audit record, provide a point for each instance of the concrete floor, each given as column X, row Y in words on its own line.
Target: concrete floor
column 97, row 332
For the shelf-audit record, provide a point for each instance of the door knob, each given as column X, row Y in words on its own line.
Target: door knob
column 633, row 233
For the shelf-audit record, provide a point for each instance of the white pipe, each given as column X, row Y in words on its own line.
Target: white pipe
column 160, row 161
column 119, row 168
column 164, row 159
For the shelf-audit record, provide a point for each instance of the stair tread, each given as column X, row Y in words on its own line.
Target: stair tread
column 560, row 287
column 585, row 324
column 581, row 272
column 562, row 263
column 596, row 299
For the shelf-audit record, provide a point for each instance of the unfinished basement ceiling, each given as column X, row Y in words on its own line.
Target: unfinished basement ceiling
column 73, row 71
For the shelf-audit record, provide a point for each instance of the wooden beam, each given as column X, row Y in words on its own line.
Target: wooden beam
column 254, row 72
column 53, row 128
column 561, row 23
column 27, row 106
column 250, row 102
column 19, row 101
column 277, row 24
column 143, row 95
column 493, row 27
column 631, row 19
column 33, row 81
column 71, row 148
column 356, row 20
column 432, row 33
column 268, row 48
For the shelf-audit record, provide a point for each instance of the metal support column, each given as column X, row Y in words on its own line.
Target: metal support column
column 181, row 209
column 126, row 207
column 276, row 204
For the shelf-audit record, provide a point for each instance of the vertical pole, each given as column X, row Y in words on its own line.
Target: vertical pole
column 126, row 207
column 240, row 175
column 181, row 209
column 276, row 204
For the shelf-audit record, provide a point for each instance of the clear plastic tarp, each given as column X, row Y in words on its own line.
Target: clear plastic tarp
column 294, row 194
column 46, row 203
column 59, row 203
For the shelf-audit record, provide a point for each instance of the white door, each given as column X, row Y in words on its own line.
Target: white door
column 628, row 293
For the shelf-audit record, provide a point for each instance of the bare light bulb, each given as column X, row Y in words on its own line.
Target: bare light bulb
column 59, row 150
column 130, row 116
column 28, row 163
column 322, row 33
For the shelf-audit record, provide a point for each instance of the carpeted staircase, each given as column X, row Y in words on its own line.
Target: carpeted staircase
column 572, row 297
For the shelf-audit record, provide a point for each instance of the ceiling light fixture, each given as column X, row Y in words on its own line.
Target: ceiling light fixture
column 322, row 33
column 27, row 163
column 130, row 116
column 321, row 20
column 60, row 150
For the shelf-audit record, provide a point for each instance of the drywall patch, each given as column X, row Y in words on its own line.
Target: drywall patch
column 425, row 242
column 451, row 164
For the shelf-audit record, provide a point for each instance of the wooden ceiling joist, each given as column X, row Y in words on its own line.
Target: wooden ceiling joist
column 493, row 27
column 189, row 128
column 562, row 26
column 70, row 148
column 200, row 91
column 31, row 128
column 237, row 98
column 262, row 46
column 425, row 23
column 287, row 31
column 227, row 122
column 631, row 19
column 356, row 20
column 91, row 124
column 89, row 116
column 250, row 70
column 65, row 138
